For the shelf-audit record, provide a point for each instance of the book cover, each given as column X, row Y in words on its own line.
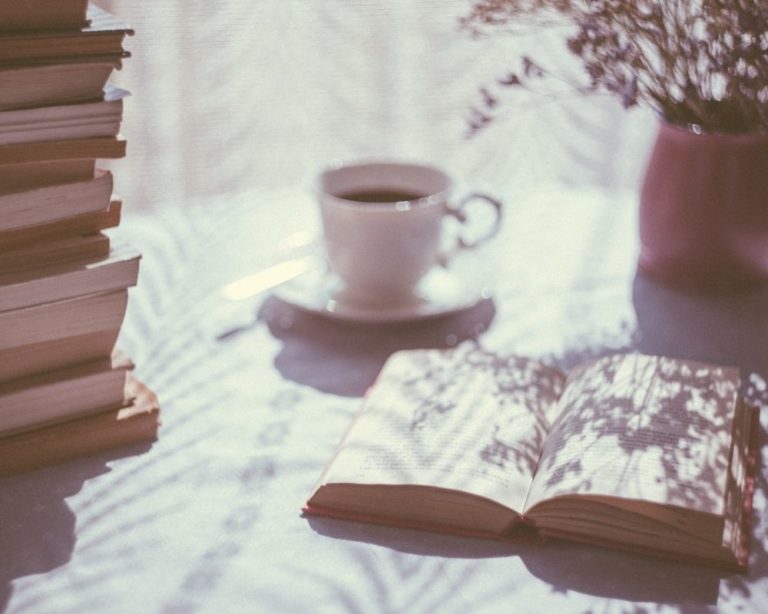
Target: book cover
column 30, row 175
column 38, row 235
column 57, row 251
column 56, row 396
column 51, row 203
column 137, row 421
column 65, row 121
column 61, row 320
column 103, row 35
column 57, row 352
column 25, row 287
column 66, row 149
column 43, row 15
column 50, row 84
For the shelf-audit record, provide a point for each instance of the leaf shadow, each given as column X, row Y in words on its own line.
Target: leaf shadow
column 564, row 566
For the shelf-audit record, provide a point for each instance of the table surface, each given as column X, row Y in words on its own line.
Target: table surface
column 208, row 518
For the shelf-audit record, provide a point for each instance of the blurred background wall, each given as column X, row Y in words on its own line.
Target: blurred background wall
column 241, row 94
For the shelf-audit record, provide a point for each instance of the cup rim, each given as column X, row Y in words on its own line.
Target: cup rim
column 425, row 201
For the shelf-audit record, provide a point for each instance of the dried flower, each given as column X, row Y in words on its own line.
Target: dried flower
column 701, row 62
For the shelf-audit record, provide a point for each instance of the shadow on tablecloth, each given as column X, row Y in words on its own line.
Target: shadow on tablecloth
column 37, row 527
column 564, row 566
column 344, row 358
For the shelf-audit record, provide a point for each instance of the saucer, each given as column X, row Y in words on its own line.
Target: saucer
column 441, row 292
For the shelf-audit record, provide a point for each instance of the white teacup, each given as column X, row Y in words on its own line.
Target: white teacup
column 383, row 225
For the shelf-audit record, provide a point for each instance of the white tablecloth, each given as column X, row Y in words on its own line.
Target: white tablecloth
column 208, row 518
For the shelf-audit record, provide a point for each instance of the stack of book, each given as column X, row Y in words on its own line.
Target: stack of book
column 65, row 390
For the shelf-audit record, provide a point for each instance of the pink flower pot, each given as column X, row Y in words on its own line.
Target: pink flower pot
column 704, row 209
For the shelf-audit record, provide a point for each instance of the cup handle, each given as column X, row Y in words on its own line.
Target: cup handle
column 459, row 212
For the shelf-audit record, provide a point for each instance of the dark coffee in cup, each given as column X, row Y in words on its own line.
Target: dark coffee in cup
column 383, row 195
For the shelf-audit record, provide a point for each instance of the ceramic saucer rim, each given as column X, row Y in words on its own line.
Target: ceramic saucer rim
column 320, row 299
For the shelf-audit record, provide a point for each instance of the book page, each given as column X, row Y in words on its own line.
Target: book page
column 642, row 427
column 463, row 419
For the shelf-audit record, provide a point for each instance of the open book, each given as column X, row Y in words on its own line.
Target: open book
column 637, row 452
